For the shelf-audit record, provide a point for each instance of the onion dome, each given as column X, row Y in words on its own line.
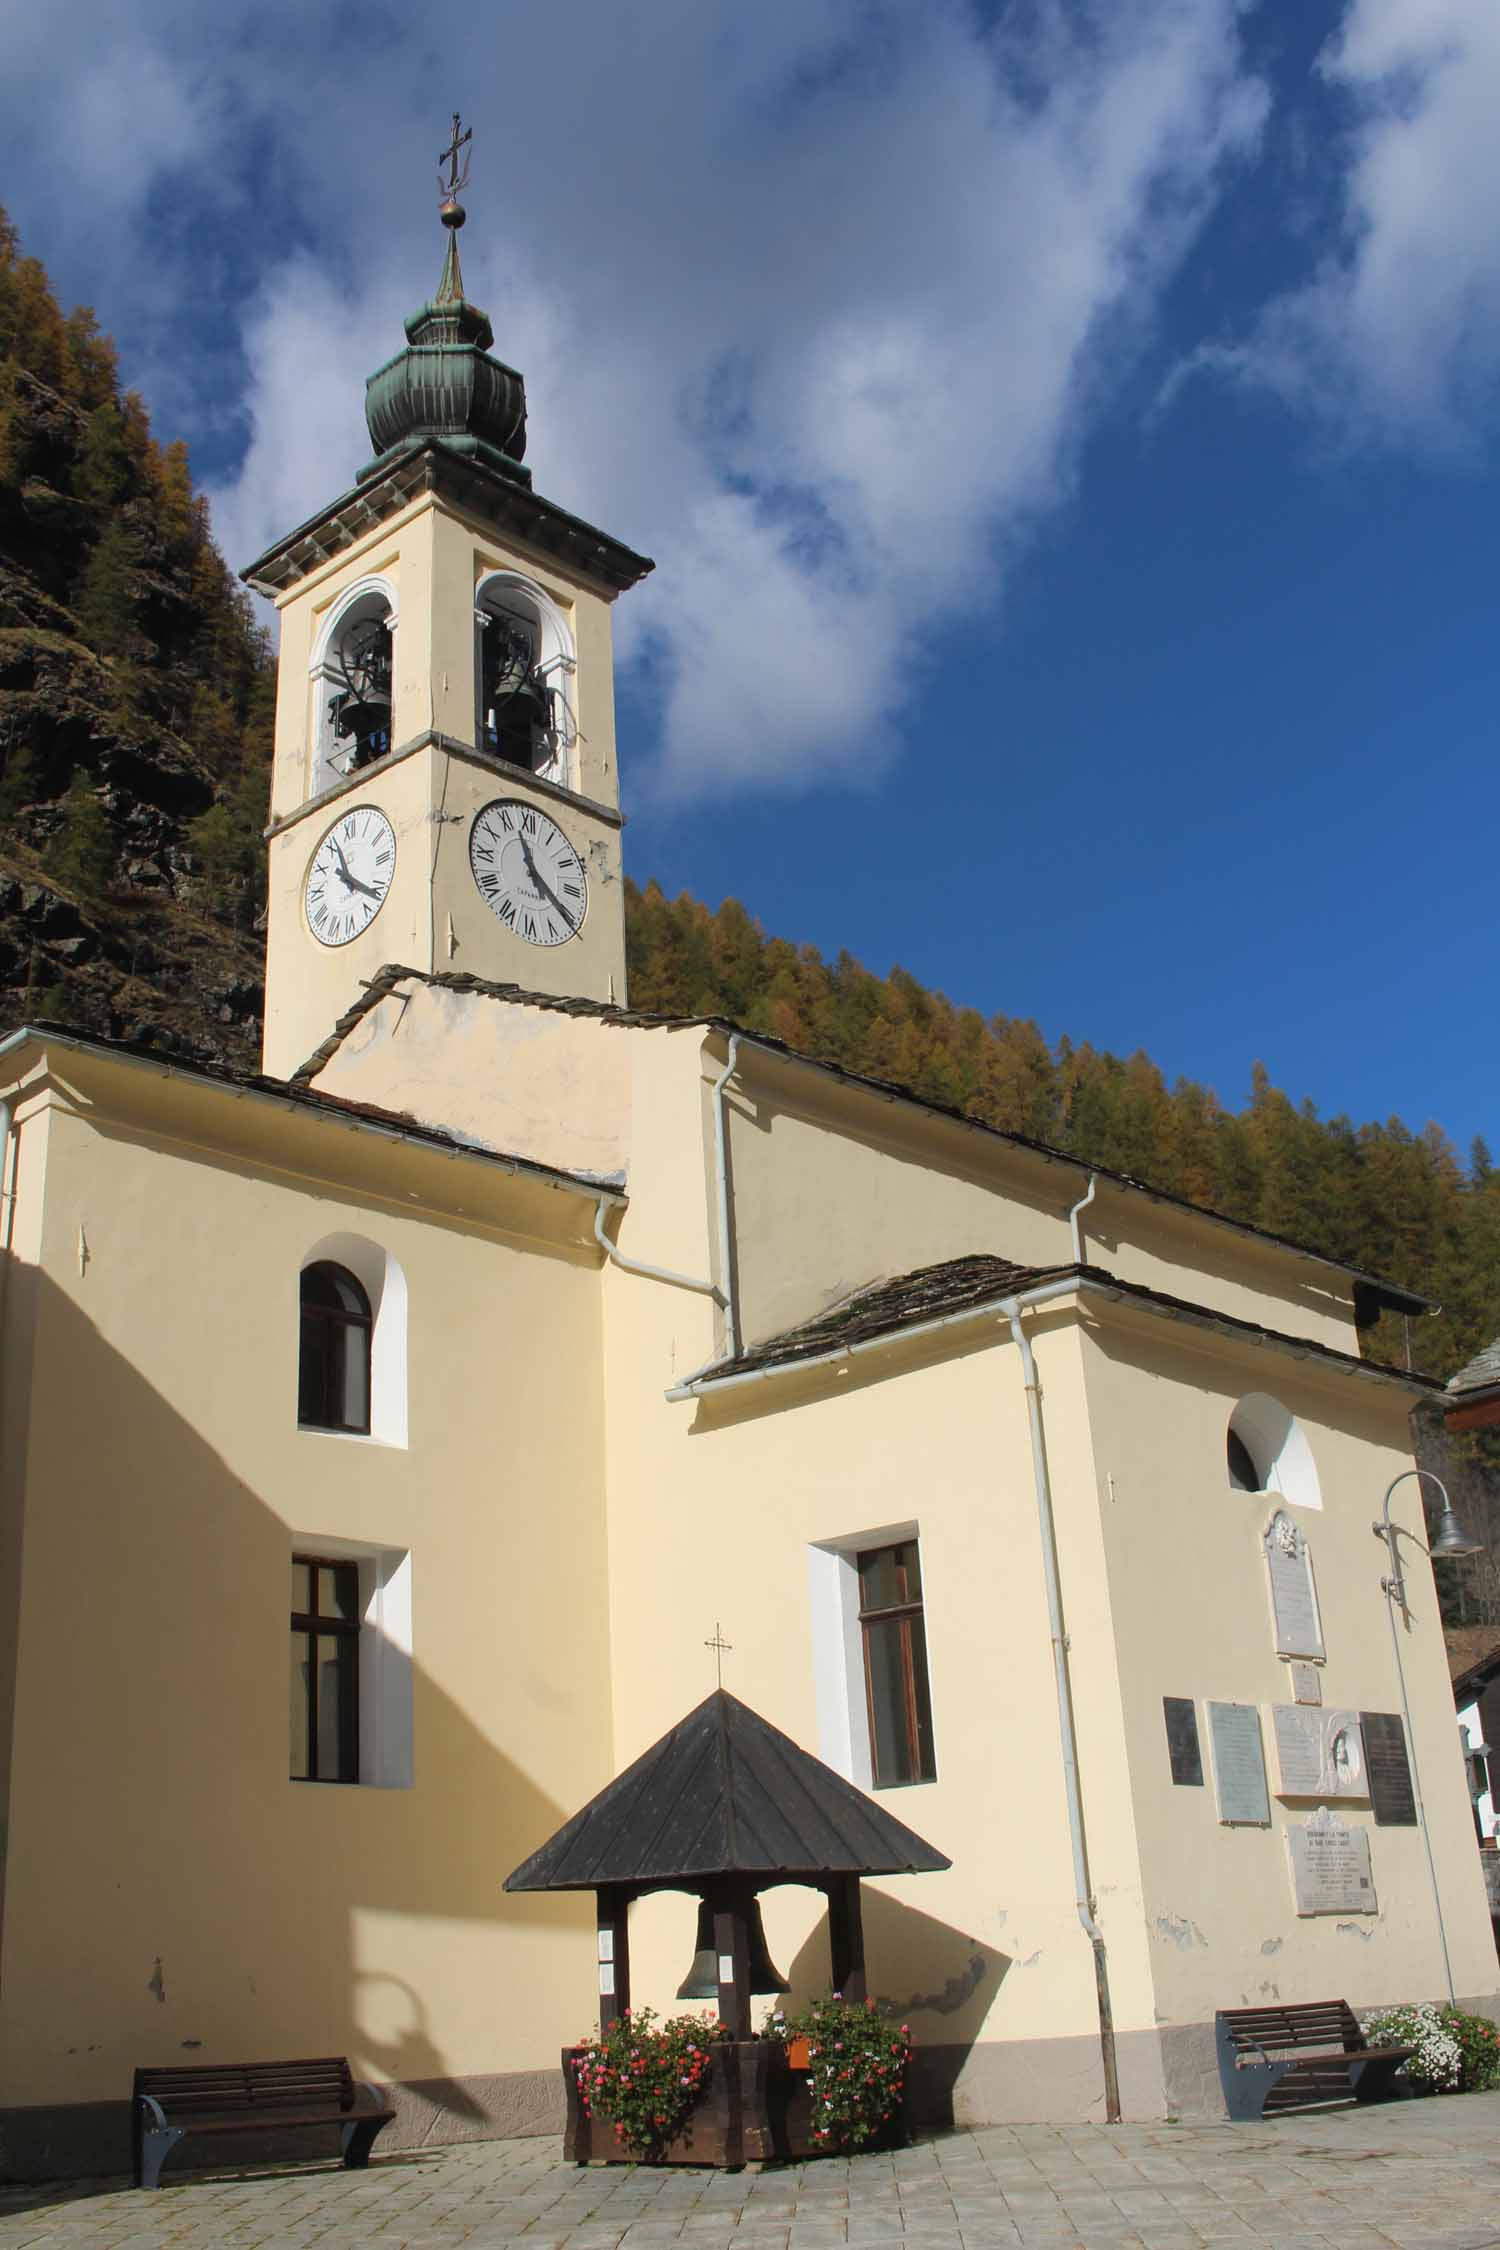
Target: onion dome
column 446, row 388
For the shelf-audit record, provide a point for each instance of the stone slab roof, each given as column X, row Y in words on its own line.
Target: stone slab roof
column 883, row 1307
column 724, row 1793
column 1481, row 1374
column 912, row 1301
column 296, row 1096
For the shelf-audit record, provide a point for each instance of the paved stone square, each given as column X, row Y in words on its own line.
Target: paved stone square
column 1404, row 2173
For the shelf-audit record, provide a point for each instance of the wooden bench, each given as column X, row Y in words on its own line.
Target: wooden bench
column 172, row 2104
column 1271, row 2059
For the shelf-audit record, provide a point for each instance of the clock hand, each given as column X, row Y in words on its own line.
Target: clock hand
column 351, row 882
column 547, row 892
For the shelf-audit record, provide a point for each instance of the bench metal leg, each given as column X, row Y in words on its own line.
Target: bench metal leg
column 157, row 2144
column 357, row 2138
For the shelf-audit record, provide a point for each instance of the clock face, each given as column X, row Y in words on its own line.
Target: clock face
column 528, row 873
column 350, row 874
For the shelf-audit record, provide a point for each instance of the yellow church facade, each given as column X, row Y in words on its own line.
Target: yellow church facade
column 497, row 1348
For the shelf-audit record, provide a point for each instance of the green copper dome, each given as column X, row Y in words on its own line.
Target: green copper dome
column 446, row 388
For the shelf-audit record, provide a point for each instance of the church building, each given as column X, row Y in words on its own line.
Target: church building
column 385, row 1435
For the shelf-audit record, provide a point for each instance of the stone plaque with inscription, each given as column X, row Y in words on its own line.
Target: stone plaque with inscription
column 1307, row 1683
column 1239, row 1765
column 1182, row 1740
column 1294, row 1600
column 1391, row 1792
column 1319, row 1753
column 1331, row 1866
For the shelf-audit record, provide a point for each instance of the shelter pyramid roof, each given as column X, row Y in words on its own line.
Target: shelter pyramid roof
column 724, row 1793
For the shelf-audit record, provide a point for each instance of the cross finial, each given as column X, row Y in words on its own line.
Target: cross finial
column 721, row 1648
column 457, row 161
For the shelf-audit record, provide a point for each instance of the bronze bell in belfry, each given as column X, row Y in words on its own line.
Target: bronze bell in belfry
column 702, row 1979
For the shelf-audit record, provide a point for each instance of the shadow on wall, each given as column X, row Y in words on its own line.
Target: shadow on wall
column 921, row 1972
column 171, row 1896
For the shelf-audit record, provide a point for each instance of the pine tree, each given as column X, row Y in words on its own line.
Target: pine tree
column 82, row 854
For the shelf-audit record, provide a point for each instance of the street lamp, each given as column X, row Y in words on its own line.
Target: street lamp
column 1451, row 1541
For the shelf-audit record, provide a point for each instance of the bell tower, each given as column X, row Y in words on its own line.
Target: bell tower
column 445, row 793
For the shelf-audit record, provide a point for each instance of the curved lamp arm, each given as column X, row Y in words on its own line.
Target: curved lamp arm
column 1451, row 1541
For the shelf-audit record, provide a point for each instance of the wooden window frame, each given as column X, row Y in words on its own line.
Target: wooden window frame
column 902, row 1613
column 312, row 1624
column 348, row 1325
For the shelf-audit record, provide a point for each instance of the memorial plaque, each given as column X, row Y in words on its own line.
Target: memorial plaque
column 1319, row 1753
column 1239, row 1765
column 1182, row 1740
column 1307, row 1683
column 1293, row 1598
column 1391, row 1792
column 1331, row 1867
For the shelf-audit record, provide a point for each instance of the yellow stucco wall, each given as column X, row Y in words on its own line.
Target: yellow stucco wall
column 1193, row 1618
column 870, row 1187
column 166, row 1884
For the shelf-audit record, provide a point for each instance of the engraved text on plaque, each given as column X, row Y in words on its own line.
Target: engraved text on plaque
column 1331, row 1866
column 1293, row 1599
column 1239, row 1764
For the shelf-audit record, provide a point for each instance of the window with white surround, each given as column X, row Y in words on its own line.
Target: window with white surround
column 333, row 1326
column 524, row 662
column 353, row 671
column 350, row 1715
column 869, row 1633
column 1267, row 1451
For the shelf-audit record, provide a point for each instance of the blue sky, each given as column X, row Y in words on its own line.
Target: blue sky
column 1064, row 431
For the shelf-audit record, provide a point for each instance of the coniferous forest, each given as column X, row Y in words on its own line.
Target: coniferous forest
column 136, row 699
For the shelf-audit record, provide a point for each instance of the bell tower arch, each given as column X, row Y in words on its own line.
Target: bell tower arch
column 444, row 792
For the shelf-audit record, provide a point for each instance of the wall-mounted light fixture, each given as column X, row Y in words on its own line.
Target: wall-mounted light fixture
column 1451, row 1542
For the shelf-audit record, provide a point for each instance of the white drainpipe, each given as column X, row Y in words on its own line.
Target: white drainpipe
column 1073, row 1220
column 1083, row 1897
column 721, row 1174
column 617, row 1257
column 722, row 1291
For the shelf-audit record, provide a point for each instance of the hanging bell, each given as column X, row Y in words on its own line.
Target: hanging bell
column 362, row 710
column 517, row 701
column 702, row 1979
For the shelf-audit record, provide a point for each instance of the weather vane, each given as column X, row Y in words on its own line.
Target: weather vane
column 456, row 157
column 720, row 1648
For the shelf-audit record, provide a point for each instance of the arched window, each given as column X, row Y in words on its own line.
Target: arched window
column 356, row 1286
column 1244, row 1472
column 1267, row 1451
column 352, row 684
column 333, row 1374
column 524, row 667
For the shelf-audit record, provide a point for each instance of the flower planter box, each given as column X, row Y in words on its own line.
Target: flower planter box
column 756, row 2108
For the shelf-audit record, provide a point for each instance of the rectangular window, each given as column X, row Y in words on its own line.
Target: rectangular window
column 895, row 1659
column 325, row 1669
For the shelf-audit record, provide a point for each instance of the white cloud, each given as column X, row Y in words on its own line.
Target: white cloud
column 814, row 301
column 1396, row 336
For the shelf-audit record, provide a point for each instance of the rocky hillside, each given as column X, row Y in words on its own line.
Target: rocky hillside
column 135, row 704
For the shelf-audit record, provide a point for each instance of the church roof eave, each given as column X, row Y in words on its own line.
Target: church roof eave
column 1371, row 1288
column 433, row 465
column 362, row 1117
column 961, row 1291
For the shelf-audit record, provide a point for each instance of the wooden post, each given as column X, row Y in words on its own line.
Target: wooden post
column 613, row 1952
column 732, row 1944
column 846, row 1936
